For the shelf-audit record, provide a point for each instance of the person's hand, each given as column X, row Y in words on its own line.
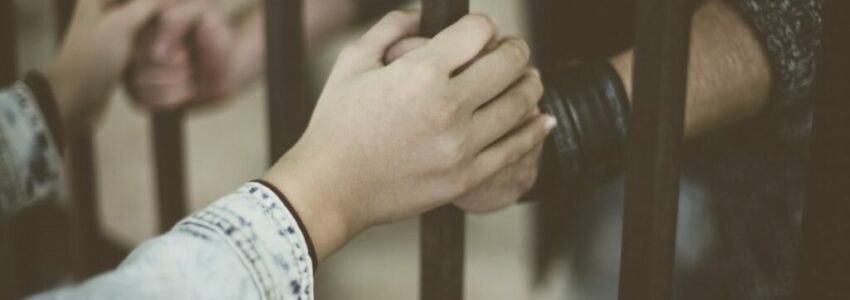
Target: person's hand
column 505, row 187
column 387, row 142
column 95, row 52
column 187, row 57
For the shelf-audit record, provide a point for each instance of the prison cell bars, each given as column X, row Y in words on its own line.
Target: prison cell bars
column 824, row 261
column 654, row 142
column 441, row 230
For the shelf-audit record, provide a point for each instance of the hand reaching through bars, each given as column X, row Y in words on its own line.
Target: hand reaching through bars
column 509, row 184
column 101, row 34
column 387, row 142
column 194, row 55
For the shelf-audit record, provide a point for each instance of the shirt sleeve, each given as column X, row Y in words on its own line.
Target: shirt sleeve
column 247, row 245
column 790, row 31
column 30, row 161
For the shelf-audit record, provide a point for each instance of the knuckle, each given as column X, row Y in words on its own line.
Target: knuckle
column 451, row 153
column 443, row 117
column 426, row 71
column 517, row 51
column 482, row 22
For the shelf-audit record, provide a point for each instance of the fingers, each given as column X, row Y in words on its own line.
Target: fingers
column 505, row 187
column 130, row 17
column 511, row 148
column 369, row 50
column 458, row 44
column 174, row 24
column 403, row 47
column 487, row 78
column 498, row 117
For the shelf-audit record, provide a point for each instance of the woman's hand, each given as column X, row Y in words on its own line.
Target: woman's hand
column 95, row 53
column 508, row 185
column 387, row 142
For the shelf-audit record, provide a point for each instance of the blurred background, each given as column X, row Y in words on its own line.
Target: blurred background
column 227, row 146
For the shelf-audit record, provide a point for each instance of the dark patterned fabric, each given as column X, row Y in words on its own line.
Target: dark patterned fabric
column 790, row 32
column 29, row 159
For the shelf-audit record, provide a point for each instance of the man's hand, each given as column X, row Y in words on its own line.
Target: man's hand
column 187, row 57
column 95, row 52
column 387, row 142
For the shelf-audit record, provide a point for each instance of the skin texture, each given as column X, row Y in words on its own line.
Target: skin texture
column 729, row 75
column 456, row 122
column 101, row 35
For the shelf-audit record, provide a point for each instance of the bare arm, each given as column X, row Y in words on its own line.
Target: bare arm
column 729, row 77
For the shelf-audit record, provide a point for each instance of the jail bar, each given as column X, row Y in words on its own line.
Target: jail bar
column 654, row 142
column 442, row 230
column 824, row 265
column 286, row 75
column 170, row 167
column 8, row 72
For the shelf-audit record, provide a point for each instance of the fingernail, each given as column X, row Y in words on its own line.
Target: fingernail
column 550, row 123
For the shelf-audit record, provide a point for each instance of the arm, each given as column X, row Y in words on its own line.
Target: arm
column 739, row 59
column 729, row 75
column 67, row 97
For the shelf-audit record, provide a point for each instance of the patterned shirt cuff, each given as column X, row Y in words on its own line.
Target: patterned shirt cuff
column 30, row 163
column 266, row 236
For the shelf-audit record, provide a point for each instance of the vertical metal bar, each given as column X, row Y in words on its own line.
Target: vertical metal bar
column 8, row 72
column 286, row 78
column 81, row 162
column 442, row 230
column 654, row 142
column 170, row 167
column 8, row 43
column 824, row 265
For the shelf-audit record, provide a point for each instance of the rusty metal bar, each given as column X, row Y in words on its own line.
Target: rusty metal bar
column 654, row 142
column 824, row 265
column 286, row 75
column 442, row 230
column 170, row 167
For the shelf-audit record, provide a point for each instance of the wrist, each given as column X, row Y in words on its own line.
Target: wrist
column 65, row 94
column 319, row 205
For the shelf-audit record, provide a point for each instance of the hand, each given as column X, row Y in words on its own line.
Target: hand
column 387, row 142
column 505, row 187
column 95, row 52
column 187, row 57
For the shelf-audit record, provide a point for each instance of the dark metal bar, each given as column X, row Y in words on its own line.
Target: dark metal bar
column 8, row 43
column 442, row 230
column 286, row 77
column 170, row 168
column 824, row 265
column 81, row 162
column 654, row 142
column 8, row 72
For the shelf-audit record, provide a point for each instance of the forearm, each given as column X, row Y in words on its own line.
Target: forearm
column 729, row 74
